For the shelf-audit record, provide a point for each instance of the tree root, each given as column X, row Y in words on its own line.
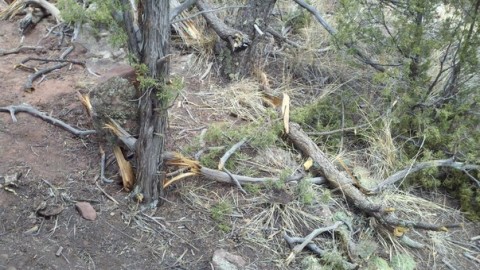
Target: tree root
column 28, row 87
column 13, row 109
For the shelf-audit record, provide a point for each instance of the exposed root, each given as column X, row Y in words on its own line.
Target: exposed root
column 28, row 87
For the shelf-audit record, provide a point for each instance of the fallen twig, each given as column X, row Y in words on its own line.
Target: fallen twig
column 28, row 87
column 29, row 84
column 229, row 153
column 235, row 180
column 315, row 249
column 105, row 193
column 13, row 109
column 76, row 62
column 298, row 248
column 102, row 167
column 20, row 49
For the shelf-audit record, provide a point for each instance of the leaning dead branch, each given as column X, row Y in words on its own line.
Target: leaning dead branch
column 14, row 109
column 333, row 32
column 400, row 175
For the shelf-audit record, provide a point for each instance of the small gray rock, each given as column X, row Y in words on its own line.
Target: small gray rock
column 86, row 210
column 223, row 260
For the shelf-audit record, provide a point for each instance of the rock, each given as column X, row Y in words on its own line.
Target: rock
column 114, row 99
column 50, row 210
column 223, row 260
column 86, row 210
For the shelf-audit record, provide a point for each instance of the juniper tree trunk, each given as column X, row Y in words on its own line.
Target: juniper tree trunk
column 153, row 110
column 241, row 63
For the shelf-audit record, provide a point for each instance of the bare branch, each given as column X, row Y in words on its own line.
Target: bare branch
column 400, row 175
column 13, row 109
column 129, row 26
column 176, row 11
column 333, row 32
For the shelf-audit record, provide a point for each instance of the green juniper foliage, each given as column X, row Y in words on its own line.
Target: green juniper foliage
column 431, row 50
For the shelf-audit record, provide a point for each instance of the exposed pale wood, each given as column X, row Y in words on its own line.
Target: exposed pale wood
column 229, row 153
column 179, row 9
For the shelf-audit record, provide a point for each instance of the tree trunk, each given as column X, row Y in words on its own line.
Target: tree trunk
column 153, row 110
column 238, row 64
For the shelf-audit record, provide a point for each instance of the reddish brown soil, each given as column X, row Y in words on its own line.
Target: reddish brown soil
column 47, row 155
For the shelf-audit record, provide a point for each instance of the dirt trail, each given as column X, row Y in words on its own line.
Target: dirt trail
column 60, row 169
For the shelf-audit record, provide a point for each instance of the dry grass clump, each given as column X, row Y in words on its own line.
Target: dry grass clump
column 241, row 99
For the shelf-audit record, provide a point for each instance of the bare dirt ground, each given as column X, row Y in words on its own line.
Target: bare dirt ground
column 60, row 169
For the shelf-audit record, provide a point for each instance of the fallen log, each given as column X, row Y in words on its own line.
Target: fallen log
column 339, row 181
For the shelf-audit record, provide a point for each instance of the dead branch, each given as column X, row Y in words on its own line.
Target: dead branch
column 346, row 185
column 315, row 249
column 13, row 109
column 20, row 49
column 281, row 38
column 179, row 9
column 215, row 175
column 298, row 248
column 334, row 177
column 76, row 62
column 229, row 153
column 18, row 5
column 237, row 40
column 400, row 175
column 235, row 180
column 333, row 32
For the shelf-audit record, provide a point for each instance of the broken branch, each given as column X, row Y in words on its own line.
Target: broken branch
column 298, row 248
column 229, row 153
column 400, row 175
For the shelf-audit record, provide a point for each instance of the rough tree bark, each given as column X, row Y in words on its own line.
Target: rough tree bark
column 155, row 28
column 239, row 53
column 256, row 13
